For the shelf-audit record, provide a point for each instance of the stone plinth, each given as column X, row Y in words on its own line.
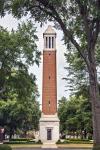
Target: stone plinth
column 49, row 129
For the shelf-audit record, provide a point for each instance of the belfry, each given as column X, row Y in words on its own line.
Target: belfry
column 49, row 122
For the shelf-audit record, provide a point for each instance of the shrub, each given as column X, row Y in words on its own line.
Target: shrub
column 20, row 142
column 39, row 142
column 21, row 139
column 74, row 141
column 58, row 142
column 15, row 142
column 5, row 147
column 96, row 147
column 77, row 139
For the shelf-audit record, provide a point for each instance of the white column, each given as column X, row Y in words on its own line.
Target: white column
column 47, row 42
column 44, row 42
column 51, row 41
column 54, row 42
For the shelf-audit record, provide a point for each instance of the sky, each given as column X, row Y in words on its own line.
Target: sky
column 9, row 22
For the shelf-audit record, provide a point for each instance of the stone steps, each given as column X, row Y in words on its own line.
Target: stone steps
column 49, row 145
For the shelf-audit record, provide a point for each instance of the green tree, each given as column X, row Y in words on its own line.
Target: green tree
column 77, row 76
column 80, row 22
column 62, row 112
column 18, row 90
column 18, row 51
column 16, row 115
column 75, row 115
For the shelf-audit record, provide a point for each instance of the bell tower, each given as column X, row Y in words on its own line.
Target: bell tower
column 49, row 122
column 49, row 92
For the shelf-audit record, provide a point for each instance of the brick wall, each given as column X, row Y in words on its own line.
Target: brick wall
column 49, row 89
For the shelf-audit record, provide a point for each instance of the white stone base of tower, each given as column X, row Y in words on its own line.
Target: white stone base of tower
column 49, row 130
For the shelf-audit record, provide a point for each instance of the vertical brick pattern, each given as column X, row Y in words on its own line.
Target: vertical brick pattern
column 49, row 90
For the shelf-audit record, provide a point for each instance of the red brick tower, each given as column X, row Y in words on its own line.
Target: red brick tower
column 49, row 92
column 49, row 122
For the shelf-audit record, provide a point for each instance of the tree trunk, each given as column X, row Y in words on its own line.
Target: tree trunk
column 11, row 133
column 95, row 101
column 85, row 134
column 25, row 133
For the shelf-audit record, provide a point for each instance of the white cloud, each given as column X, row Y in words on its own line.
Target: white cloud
column 9, row 22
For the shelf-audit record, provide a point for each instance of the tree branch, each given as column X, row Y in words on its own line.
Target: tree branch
column 84, row 14
column 67, row 33
column 97, row 22
column 96, row 33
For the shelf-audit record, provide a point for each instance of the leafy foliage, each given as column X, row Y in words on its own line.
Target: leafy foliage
column 18, row 90
column 75, row 115
column 76, row 72
column 80, row 23
column 5, row 147
column 17, row 51
column 96, row 147
column 16, row 115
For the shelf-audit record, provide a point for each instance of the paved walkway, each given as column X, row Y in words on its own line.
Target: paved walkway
column 51, row 149
column 60, row 147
